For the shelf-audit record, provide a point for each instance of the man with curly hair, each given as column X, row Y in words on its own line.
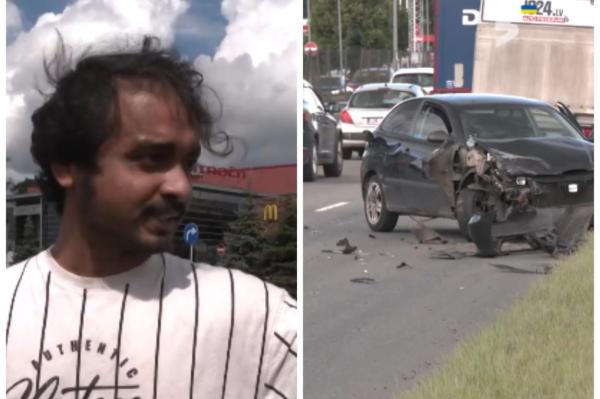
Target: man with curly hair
column 105, row 311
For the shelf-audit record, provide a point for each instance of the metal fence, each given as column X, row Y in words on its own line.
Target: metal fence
column 326, row 62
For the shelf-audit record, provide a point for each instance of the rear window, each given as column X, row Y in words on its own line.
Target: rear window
column 361, row 77
column 381, row 98
column 329, row 83
column 421, row 79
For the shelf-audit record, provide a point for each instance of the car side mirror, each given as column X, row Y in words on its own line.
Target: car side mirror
column 437, row 136
column 369, row 136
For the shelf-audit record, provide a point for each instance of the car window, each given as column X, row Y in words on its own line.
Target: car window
column 311, row 101
column 550, row 122
column 381, row 98
column 399, row 120
column 330, row 83
column 370, row 76
column 431, row 119
column 421, row 79
column 514, row 121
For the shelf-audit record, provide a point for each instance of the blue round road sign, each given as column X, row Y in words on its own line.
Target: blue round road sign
column 190, row 233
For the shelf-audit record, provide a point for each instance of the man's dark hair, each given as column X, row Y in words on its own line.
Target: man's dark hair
column 82, row 112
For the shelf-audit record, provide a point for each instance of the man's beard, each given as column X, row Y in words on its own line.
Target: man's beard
column 125, row 239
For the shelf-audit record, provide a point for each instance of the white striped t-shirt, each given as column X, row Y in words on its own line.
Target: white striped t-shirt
column 165, row 329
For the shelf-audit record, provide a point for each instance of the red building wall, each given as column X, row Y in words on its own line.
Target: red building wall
column 274, row 180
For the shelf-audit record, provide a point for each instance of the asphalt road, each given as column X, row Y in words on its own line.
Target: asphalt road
column 372, row 328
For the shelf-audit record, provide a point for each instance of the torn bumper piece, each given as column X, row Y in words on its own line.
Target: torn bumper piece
column 557, row 229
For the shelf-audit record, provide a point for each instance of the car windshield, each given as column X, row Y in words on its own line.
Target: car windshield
column 498, row 122
column 329, row 83
column 381, row 98
column 362, row 77
column 421, row 79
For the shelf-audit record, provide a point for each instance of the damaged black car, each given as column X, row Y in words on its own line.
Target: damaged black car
column 506, row 168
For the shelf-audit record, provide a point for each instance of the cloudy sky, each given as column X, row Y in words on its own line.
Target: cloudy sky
column 246, row 50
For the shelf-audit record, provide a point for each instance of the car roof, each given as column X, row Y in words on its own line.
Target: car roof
column 395, row 86
column 407, row 71
column 460, row 99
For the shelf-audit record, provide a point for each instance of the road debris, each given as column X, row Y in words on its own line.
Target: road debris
column 363, row 280
column 348, row 249
column 403, row 265
column 448, row 255
column 425, row 235
column 372, row 235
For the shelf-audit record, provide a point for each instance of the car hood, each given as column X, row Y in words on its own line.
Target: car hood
column 541, row 156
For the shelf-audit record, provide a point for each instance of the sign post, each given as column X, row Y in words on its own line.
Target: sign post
column 190, row 236
column 221, row 249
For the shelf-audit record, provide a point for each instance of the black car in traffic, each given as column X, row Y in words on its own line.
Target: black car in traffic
column 504, row 167
column 322, row 142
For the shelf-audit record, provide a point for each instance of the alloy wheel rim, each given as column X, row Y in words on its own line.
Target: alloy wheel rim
column 374, row 203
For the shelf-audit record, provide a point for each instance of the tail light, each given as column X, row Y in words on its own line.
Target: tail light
column 587, row 132
column 306, row 116
column 345, row 117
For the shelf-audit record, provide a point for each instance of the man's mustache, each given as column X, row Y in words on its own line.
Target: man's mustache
column 165, row 210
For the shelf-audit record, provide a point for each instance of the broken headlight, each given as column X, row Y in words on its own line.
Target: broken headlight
column 521, row 181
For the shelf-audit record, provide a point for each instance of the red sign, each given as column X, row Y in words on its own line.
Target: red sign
column 310, row 48
column 220, row 249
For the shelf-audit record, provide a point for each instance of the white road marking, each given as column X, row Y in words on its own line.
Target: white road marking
column 328, row 207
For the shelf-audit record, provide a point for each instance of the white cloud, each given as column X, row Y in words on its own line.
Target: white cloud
column 254, row 75
column 13, row 16
column 253, row 70
column 259, row 28
column 85, row 23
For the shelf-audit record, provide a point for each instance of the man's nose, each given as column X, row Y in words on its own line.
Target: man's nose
column 177, row 184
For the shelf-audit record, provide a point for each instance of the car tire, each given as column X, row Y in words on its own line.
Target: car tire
column 347, row 153
column 312, row 166
column 466, row 206
column 335, row 169
column 379, row 218
column 487, row 245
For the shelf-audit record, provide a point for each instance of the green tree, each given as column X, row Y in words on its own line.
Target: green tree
column 245, row 239
column 365, row 24
column 28, row 247
column 264, row 249
column 278, row 261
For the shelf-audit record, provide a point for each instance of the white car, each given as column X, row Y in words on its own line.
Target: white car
column 367, row 106
column 416, row 76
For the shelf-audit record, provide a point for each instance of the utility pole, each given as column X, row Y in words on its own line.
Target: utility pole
column 339, row 12
column 395, row 33
column 308, row 18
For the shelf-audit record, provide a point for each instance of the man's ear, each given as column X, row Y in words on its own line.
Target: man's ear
column 64, row 174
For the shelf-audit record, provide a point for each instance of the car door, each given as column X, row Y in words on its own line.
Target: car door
column 393, row 133
column 326, row 128
column 415, row 190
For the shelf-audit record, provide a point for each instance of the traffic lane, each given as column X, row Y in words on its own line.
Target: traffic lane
column 384, row 334
column 387, row 329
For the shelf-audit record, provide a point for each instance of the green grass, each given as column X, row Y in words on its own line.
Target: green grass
column 542, row 347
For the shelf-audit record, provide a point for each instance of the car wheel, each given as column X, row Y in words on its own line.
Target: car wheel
column 347, row 153
column 335, row 169
column 376, row 212
column 480, row 230
column 467, row 203
column 311, row 168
